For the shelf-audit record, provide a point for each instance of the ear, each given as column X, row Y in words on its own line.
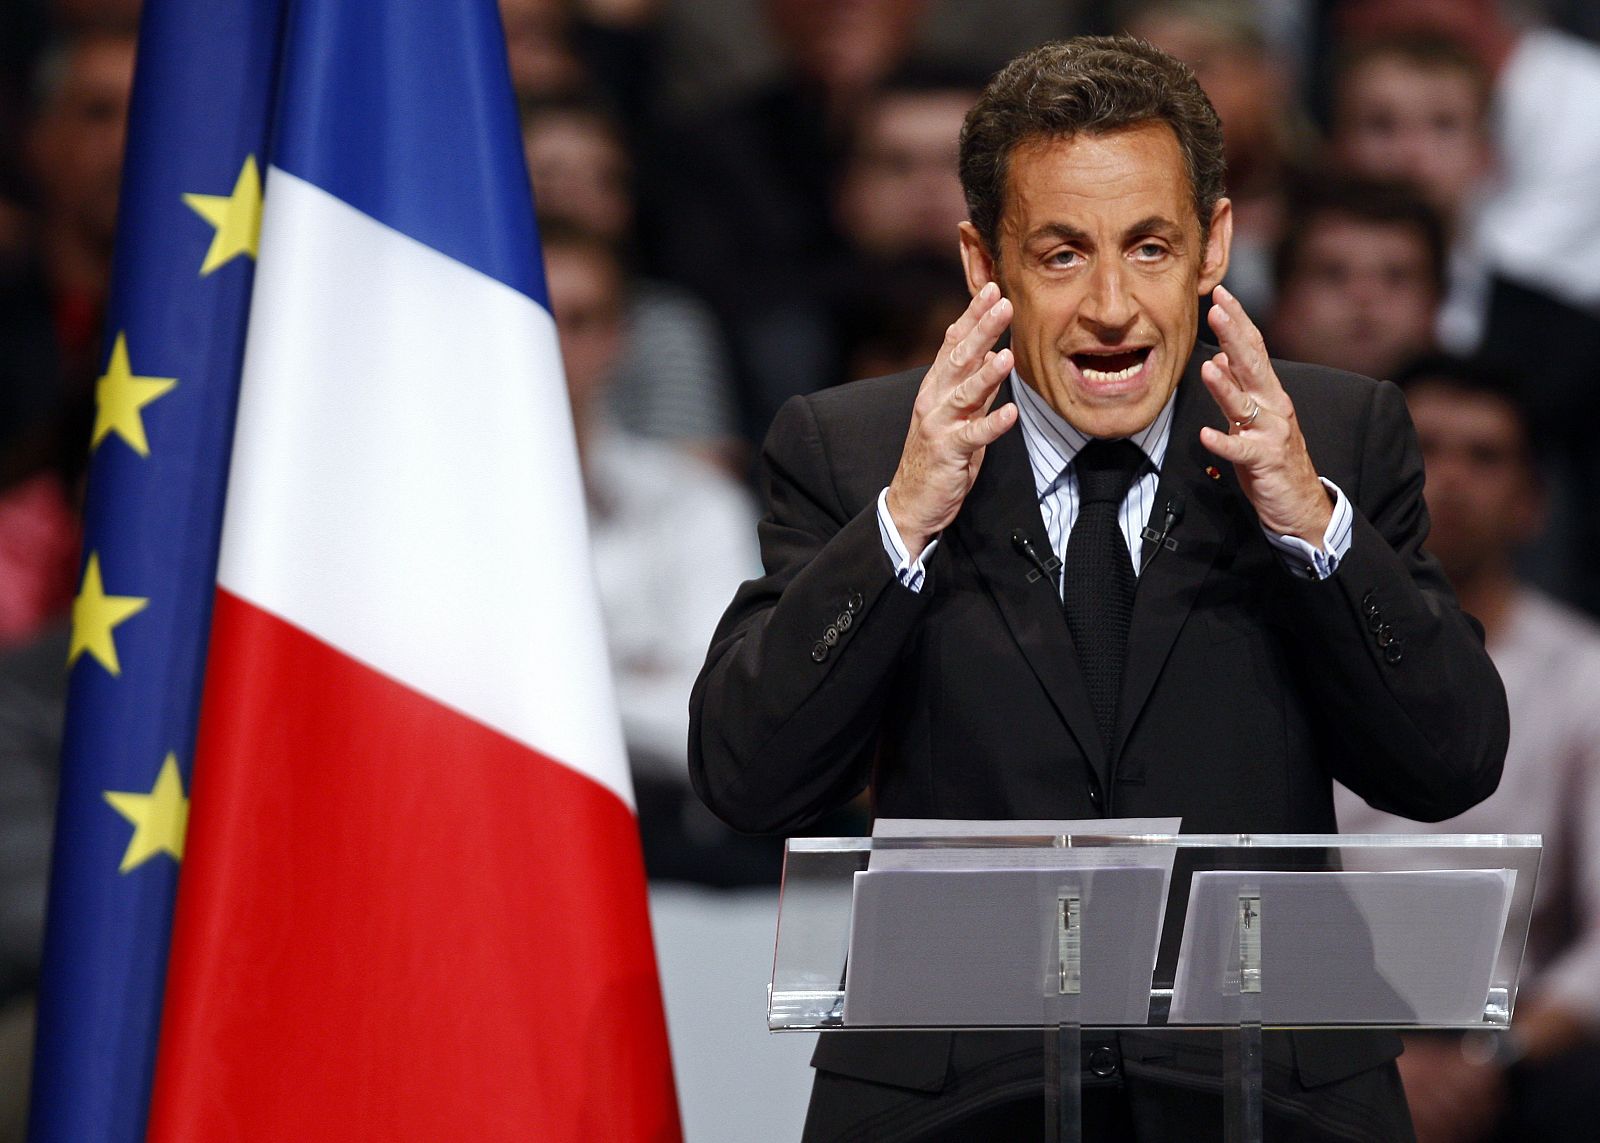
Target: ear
column 976, row 260
column 1219, row 241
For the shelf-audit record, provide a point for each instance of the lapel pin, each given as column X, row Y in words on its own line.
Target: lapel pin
column 1213, row 472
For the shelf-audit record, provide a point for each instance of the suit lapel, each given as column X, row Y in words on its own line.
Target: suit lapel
column 1171, row 580
column 1002, row 500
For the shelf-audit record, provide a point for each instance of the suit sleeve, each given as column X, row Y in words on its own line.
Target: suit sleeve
column 1415, row 707
column 784, row 716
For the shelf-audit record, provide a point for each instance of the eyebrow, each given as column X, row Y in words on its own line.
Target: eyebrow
column 1151, row 224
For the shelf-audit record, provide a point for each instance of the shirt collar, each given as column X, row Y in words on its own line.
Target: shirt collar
column 1052, row 443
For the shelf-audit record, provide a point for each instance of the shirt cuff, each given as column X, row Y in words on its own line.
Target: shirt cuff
column 908, row 570
column 1308, row 562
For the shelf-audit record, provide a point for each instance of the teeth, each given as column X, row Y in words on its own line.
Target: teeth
column 1101, row 377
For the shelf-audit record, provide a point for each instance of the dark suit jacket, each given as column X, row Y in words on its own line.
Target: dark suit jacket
column 1246, row 688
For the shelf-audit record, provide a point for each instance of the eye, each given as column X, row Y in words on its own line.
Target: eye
column 1150, row 251
column 1065, row 256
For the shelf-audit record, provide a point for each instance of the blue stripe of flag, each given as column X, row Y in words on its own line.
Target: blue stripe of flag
column 369, row 127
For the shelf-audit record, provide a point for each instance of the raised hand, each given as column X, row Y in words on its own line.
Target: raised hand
column 951, row 422
column 1264, row 443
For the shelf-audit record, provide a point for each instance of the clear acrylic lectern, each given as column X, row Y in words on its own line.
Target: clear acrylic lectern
column 1063, row 931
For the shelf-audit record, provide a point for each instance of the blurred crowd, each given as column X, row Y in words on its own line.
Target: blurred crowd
column 743, row 200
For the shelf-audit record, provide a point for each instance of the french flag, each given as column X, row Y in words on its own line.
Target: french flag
column 412, row 904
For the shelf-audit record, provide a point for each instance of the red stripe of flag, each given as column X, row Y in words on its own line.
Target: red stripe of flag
column 397, row 923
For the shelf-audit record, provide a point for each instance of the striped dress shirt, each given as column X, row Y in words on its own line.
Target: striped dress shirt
column 1053, row 444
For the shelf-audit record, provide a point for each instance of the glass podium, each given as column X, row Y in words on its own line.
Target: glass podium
column 1067, row 931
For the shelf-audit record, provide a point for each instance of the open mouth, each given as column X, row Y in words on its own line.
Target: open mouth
column 1110, row 367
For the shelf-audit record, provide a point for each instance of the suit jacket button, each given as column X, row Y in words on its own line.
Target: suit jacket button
column 1369, row 603
column 819, row 652
column 1385, row 635
column 855, row 603
column 1094, row 796
column 831, row 635
column 1391, row 654
column 1375, row 622
column 844, row 621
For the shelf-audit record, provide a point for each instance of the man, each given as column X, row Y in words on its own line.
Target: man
column 1485, row 502
column 899, row 195
column 694, row 520
column 1415, row 107
column 1360, row 274
column 898, row 640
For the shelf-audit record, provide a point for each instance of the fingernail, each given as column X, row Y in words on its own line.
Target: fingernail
column 989, row 290
column 1223, row 292
column 1220, row 315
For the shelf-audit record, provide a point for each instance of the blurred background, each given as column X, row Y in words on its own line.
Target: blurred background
column 742, row 200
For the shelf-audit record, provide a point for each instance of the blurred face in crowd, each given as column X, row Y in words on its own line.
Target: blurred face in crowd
column 537, row 47
column 76, row 143
column 1240, row 79
column 1361, row 298
column 580, row 172
column 586, row 292
column 845, row 43
column 1396, row 119
column 1101, row 255
column 1480, row 486
column 901, row 193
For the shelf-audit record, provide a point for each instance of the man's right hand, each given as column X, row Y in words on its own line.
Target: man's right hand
column 951, row 423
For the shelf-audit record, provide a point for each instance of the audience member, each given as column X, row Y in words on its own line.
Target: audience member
column 1483, row 495
column 899, row 195
column 1360, row 272
column 1224, row 43
column 672, row 381
column 742, row 198
column 1415, row 107
column 671, row 536
column 50, row 316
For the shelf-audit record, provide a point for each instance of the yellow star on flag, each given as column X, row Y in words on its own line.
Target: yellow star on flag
column 95, row 614
column 236, row 217
column 120, row 395
column 159, row 818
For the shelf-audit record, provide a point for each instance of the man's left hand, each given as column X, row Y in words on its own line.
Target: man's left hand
column 1264, row 443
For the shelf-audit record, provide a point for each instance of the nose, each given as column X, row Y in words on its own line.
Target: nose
column 1107, row 303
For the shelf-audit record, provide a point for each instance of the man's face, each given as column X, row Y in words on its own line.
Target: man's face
column 1479, row 487
column 1361, row 298
column 580, row 172
column 1100, row 253
column 901, row 193
column 586, row 299
column 77, row 143
column 1397, row 120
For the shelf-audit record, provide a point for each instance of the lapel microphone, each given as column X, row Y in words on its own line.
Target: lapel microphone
column 1169, row 520
column 1024, row 547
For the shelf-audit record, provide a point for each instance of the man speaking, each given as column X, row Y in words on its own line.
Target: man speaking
column 1100, row 571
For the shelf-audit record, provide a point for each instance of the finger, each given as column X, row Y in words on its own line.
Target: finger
column 980, row 338
column 975, row 393
column 1243, row 343
column 985, row 430
column 1236, row 449
column 958, row 332
column 1236, row 405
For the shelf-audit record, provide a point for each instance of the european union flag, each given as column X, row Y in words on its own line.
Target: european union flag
column 190, row 209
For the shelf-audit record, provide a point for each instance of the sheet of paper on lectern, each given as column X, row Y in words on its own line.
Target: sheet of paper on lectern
column 1389, row 947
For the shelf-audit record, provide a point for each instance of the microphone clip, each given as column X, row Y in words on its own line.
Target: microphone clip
column 1041, row 567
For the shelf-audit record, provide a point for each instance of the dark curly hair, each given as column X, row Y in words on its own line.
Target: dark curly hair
column 1093, row 84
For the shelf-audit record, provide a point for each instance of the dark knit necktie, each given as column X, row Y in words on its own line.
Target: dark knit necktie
column 1097, row 575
